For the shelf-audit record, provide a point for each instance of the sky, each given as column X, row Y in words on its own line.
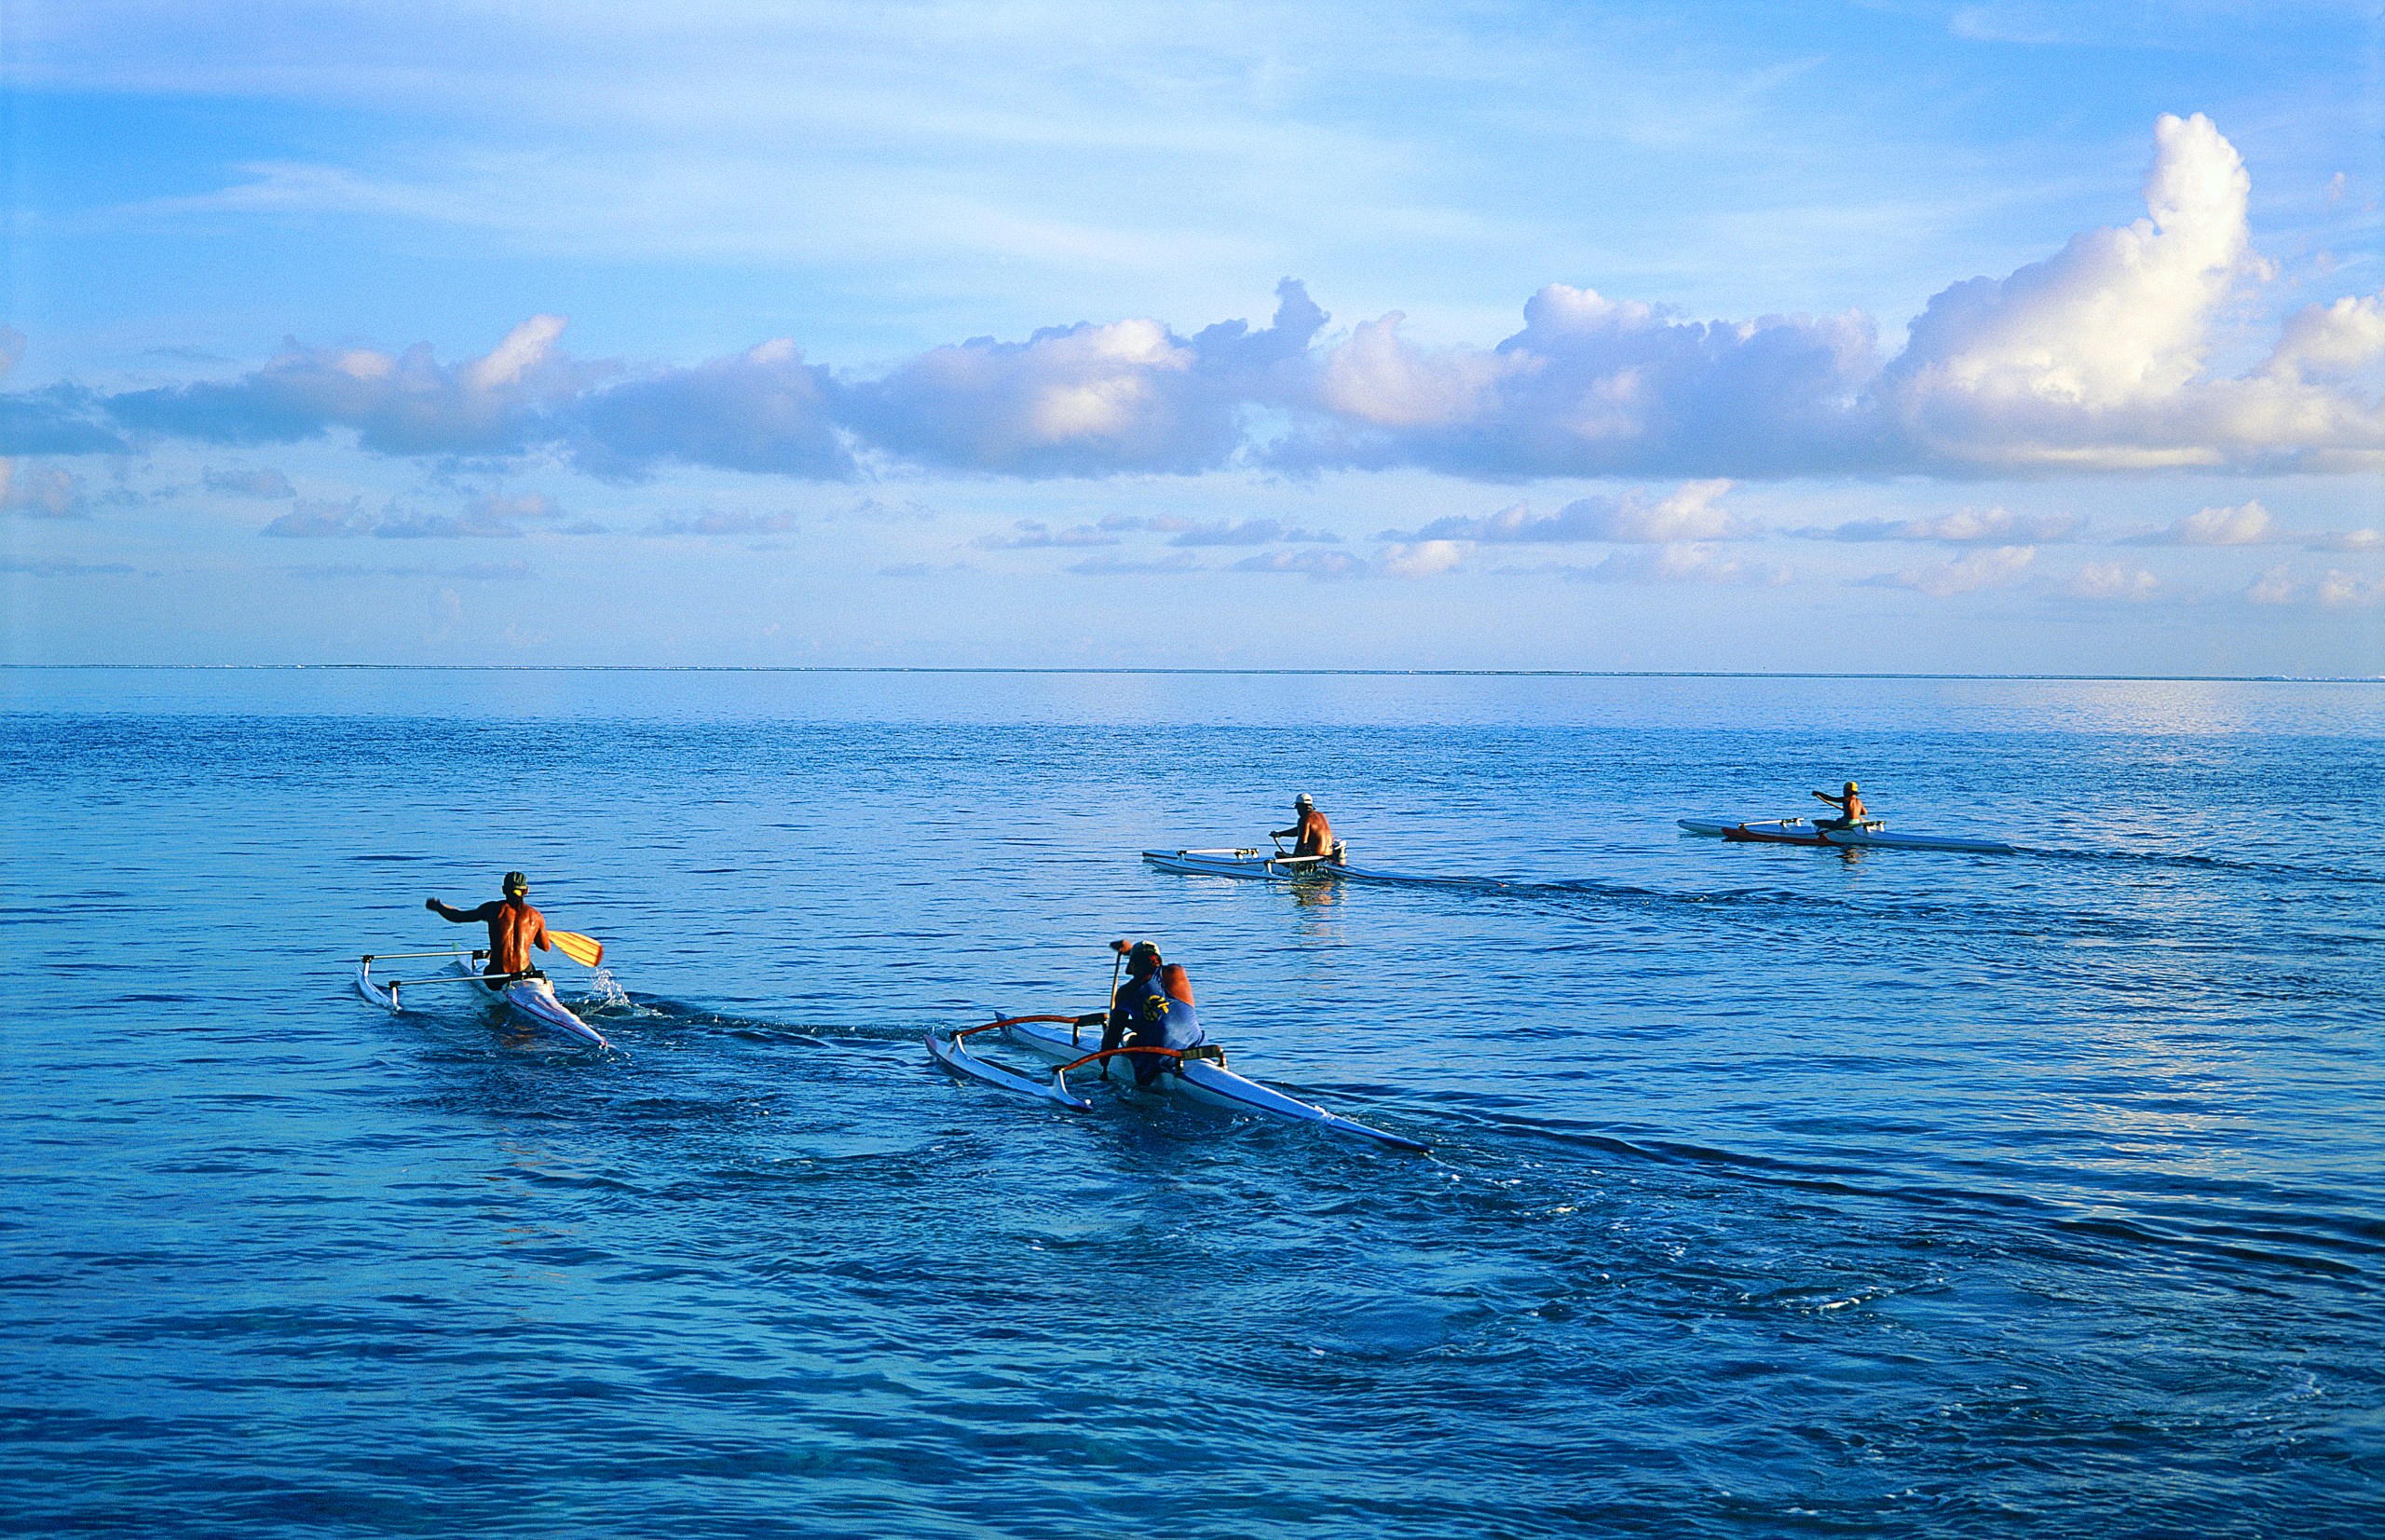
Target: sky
column 1900, row 336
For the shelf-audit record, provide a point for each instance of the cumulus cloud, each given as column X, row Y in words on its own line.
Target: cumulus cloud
column 2349, row 540
column 1687, row 563
column 261, row 481
column 40, row 491
column 1087, row 399
column 2113, row 581
column 397, row 403
column 2245, row 523
column 1593, row 385
column 1316, row 565
column 2098, row 358
column 2332, row 589
column 1421, row 558
column 763, row 410
column 1967, row 526
column 1688, row 513
column 1998, row 567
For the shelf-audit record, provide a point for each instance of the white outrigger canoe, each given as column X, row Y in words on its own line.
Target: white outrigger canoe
column 1278, row 868
column 528, row 997
column 1870, row 834
column 1198, row 1074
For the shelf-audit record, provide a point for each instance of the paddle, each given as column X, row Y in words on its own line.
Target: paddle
column 585, row 950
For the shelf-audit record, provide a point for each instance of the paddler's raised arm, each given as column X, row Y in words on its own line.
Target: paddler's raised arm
column 461, row 916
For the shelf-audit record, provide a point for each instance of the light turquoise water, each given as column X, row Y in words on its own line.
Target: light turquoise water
column 1774, row 1191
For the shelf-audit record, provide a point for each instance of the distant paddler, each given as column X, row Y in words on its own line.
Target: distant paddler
column 1312, row 835
column 1152, row 1009
column 514, row 926
column 1851, row 811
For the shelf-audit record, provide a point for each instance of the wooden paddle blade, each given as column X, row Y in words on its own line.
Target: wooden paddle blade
column 586, row 951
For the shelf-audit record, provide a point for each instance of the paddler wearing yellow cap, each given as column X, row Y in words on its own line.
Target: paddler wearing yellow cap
column 1152, row 1009
column 1849, row 804
column 1313, row 835
column 514, row 926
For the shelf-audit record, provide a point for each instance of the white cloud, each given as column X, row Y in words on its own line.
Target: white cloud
column 2113, row 581
column 2097, row 359
column 2244, row 523
column 1317, row 565
column 40, row 491
column 1087, row 399
column 1999, row 566
column 1680, row 563
column 1690, row 512
column 2349, row 540
column 1966, row 527
column 2334, row 589
column 2331, row 341
column 1421, row 558
column 2346, row 589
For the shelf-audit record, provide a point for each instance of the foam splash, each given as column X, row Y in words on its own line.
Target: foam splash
column 605, row 989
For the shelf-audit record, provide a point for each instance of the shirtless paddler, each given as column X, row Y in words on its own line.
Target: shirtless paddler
column 514, row 926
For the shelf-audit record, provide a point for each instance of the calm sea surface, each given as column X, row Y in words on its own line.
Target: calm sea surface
column 1774, row 1190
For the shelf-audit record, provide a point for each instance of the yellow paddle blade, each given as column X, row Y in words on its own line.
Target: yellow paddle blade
column 586, row 951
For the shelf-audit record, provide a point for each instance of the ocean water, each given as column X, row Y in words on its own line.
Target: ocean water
column 1773, row 1191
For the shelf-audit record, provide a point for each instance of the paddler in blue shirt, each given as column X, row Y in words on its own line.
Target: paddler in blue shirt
column 1152, row 1009
column 1314, row 835
column 1849, row 804
column 514, row 926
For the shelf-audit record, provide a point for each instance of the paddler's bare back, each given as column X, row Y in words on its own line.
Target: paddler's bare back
column 514, row 926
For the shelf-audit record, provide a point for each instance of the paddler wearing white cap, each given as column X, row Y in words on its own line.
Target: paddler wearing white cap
column 1313, row 835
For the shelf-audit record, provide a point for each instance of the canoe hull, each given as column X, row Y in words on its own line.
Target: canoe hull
column 531, row 1002
column 1254, row 865
column 1796, row 831
column 1211, row 1084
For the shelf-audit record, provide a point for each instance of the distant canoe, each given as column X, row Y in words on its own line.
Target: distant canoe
column 1871, row 835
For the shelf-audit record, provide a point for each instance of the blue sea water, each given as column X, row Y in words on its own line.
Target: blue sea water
column 1774, row 1190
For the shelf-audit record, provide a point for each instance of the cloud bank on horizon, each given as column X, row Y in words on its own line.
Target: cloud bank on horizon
column 2106, row 357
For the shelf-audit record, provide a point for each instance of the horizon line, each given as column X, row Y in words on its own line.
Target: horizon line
column 1125, row 671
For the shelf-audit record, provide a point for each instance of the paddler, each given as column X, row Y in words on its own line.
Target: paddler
column 514, row 926
column 1152, row 1009
column 1849, row 804
column 1312, row 834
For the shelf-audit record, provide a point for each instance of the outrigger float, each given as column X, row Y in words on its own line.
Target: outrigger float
column 527, row 997
column 1197, row 1073
column 1868, row 834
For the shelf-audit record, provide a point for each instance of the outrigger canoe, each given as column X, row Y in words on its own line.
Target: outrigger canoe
column 1867, row 835
column 1279, row 868
column 528, row 998
column 1197, row 1074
